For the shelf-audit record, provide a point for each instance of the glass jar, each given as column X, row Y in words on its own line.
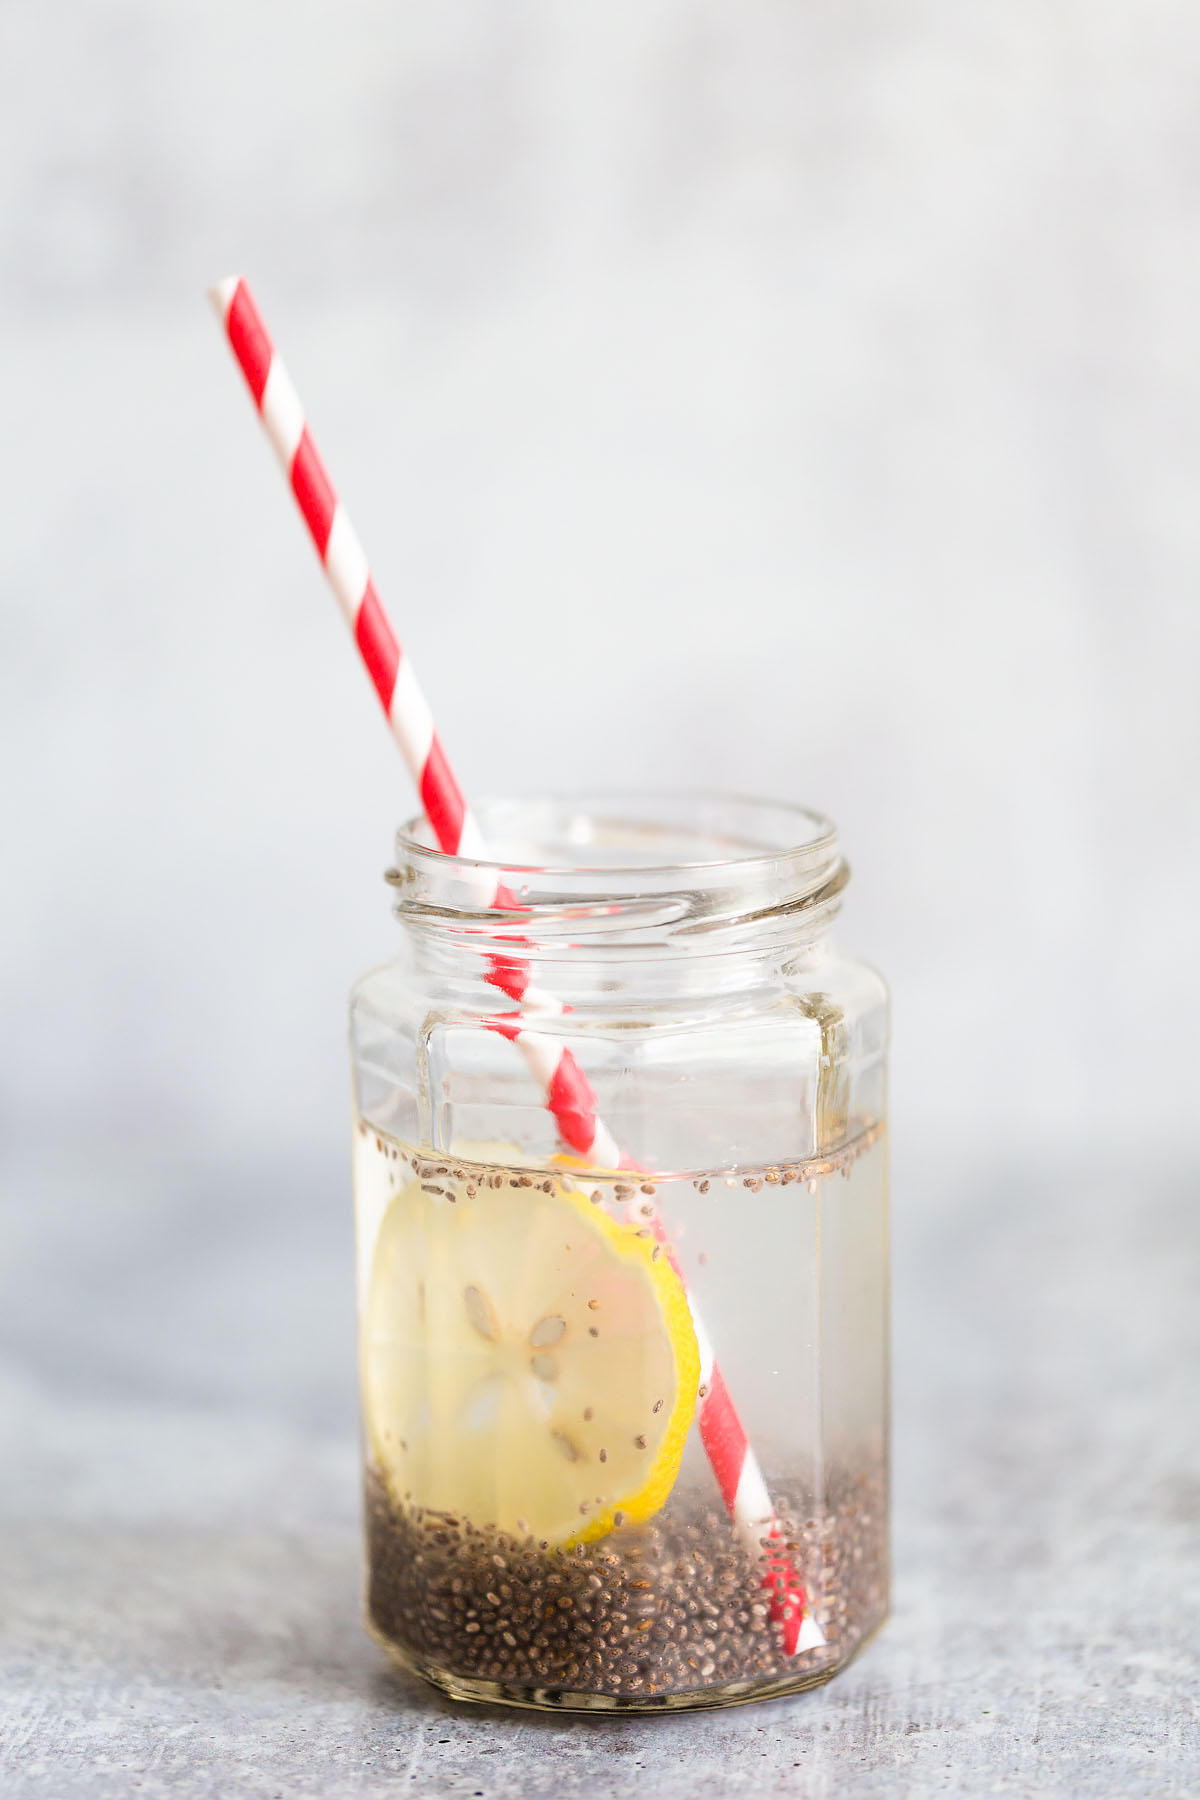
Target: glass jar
column 626, row 1427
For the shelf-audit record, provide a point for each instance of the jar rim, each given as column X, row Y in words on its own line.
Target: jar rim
column 642, row 810
column 651, row 857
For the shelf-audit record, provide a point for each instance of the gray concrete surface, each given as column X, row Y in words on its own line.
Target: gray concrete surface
column 179, row 1558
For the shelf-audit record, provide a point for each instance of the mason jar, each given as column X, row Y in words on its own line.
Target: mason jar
column 622, row 1259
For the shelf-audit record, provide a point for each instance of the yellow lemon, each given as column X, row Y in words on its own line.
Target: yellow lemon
column 528, row 1362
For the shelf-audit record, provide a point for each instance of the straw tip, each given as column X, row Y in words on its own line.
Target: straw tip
column 222, row 294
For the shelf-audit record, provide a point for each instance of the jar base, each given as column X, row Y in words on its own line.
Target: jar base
column 479, row 1691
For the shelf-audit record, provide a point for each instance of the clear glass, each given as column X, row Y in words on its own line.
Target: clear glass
column 557, row 1359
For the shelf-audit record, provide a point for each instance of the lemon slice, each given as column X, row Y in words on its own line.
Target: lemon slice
column 528, row 1362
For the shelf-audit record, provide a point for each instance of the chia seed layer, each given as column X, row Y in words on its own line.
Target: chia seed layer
column 650, row 1615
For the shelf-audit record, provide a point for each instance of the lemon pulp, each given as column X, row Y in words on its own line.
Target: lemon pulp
column 529, row 1362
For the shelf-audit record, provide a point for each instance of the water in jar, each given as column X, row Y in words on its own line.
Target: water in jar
column 544, row 1523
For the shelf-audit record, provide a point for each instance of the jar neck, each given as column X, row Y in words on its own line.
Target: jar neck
column 613, row 901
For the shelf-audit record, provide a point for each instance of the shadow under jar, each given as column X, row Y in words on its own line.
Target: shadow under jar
column 627, row 1428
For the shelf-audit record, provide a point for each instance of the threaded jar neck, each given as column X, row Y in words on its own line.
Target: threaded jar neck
column 584, row 887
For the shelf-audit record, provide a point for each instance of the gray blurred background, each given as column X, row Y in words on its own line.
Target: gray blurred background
column 789, row 397
column 777, row 395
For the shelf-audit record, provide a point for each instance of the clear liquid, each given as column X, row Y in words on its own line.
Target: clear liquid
column 788, row 1266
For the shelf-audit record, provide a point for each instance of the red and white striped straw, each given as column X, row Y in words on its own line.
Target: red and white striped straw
column 568, row 1093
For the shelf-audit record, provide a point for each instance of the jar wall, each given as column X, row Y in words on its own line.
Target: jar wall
column 757, row 1101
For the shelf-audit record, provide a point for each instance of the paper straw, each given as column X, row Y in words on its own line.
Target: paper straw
column 568, row 1093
